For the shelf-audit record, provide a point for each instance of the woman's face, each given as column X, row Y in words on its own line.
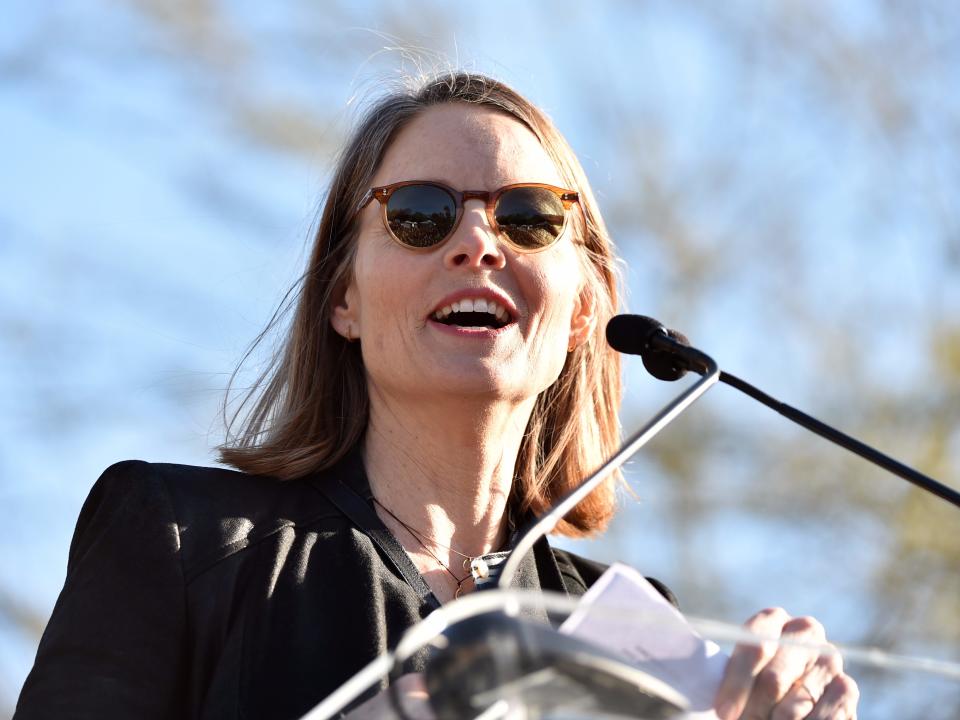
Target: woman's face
column 394, row 294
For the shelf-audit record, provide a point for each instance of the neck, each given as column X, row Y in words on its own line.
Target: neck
column 445, row 468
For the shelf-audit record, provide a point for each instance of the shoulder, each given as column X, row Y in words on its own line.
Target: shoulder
column 214, row 512
column 578, row 570
column 583, row 572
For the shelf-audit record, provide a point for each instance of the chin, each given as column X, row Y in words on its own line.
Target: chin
column 490, row 382
column 477, row 377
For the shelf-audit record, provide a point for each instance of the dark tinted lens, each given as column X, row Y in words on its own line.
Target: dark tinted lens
column 531, row 217
column 421, row 215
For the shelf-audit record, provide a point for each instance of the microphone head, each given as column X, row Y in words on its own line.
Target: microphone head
column 632, row 334
column 665, row 366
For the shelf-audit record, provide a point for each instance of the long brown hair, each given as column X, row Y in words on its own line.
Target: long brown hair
column 310, row 407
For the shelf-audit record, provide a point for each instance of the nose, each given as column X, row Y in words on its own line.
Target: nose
column 474, row 243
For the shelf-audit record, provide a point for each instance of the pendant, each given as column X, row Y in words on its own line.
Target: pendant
column 479, row 568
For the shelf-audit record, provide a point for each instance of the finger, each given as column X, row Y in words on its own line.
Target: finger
column 745, row 662
column 807, row 690
column 795, row 705
column 839, row 700
column 789, row 665
column 828, row 665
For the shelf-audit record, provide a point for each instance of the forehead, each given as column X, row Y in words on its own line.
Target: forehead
column 469, row 147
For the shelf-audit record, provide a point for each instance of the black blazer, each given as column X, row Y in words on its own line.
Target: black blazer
column 207, row 593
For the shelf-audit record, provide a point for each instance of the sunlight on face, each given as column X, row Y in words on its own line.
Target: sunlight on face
column 395, row 291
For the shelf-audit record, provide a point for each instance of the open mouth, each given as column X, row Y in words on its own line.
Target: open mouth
column 477, row 313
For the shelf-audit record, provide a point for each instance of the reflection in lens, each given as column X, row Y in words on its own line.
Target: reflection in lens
column 421, row 215
column 531, row 218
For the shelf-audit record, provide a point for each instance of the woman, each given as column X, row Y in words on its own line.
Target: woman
column 444, row 376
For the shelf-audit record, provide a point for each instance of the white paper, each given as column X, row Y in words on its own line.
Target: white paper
column 625, row 613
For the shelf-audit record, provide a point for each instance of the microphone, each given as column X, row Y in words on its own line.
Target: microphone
column 644, row 336
column 665, row 356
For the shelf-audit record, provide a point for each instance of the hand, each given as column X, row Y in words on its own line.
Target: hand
column 785, row 682
column 413, row 696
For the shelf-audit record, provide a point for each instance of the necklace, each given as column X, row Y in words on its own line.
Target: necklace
column 478, row 568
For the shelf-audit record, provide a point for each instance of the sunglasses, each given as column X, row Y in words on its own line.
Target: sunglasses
column 420, row 214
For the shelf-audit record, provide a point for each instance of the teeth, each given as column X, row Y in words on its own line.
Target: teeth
column 474, row 305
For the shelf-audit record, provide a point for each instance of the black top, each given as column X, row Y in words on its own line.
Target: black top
column 207, row 593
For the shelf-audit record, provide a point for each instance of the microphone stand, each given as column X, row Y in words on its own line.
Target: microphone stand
column 695, row 360
column 666, row 344
column 845, row 441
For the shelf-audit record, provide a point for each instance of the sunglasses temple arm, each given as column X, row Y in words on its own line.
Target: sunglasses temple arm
column 364, row 201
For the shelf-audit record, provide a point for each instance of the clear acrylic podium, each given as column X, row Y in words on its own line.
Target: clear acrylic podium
column 498, row 655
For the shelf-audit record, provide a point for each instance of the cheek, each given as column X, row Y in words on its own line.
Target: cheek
column 385, row 300
column 375, row 287
column 556, row 285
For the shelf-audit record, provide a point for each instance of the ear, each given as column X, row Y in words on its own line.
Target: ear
column 583, row 319
column 345, row 317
